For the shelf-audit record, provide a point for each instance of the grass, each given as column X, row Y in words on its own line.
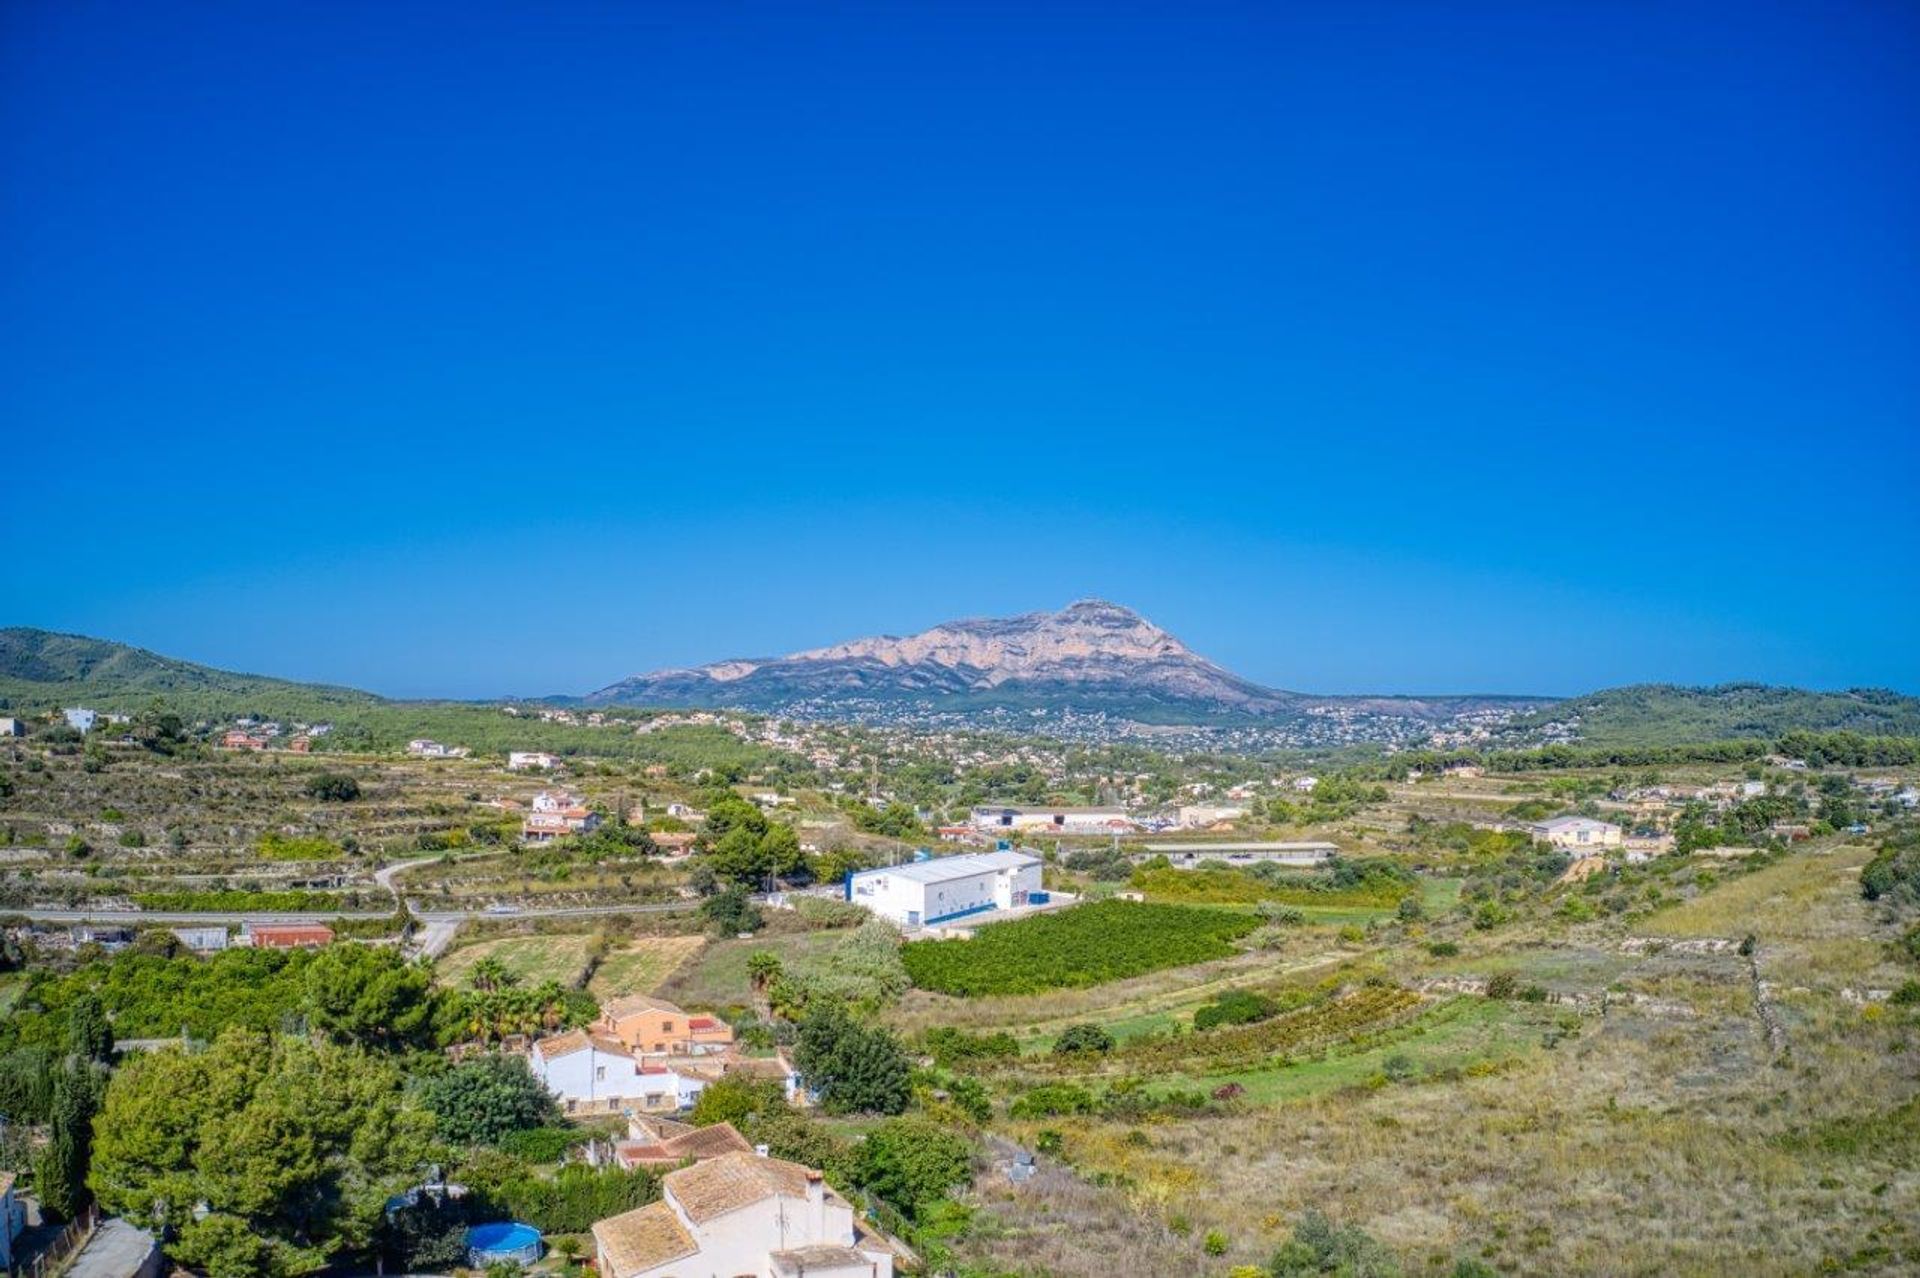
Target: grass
column 718, row 977
column 1784, row 897
column 533, row 959
column 642, row 966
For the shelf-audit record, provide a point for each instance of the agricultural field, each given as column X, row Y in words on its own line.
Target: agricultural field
column 642, row 966
column 1087, row 945
column 532, row 959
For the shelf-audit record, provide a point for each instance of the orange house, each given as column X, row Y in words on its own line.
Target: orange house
column 655, row 1026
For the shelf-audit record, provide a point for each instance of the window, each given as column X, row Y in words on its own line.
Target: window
column 666, row 1027
column 600, row 1073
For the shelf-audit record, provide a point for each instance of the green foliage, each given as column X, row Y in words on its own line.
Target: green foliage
column 542, row 1144
column 1503, row 985
column 1894, row 872
column 1084, row 1039
column 236, row 901
column 369, row 994
column 1235, row 1007
column 895, row 821
column 855, row 1068
column 89, row 1036
column 864, row 969
column 274, row 846
column 953, row 1048
column 734, row 1099
column 1318, row 1247
column 332, row 787
column 730, row 912
column 1086, row 945
column 575, row 1197
column 1054, row 1100
column 480, row 1101
column 60, row 1167
column 287, row 1144
column 912, row 1163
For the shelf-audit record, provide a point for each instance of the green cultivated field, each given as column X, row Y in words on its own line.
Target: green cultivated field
column 1086, row 945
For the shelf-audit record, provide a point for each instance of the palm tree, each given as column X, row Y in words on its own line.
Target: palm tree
column 490, row 974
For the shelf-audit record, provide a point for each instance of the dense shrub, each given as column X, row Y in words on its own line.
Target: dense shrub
column 912, row 1163
column 954, row 1048
column 333, row 787
column 576, row 1197
column 1054, row 1100
column 1236, row 1007
column 480, row 1101
column 1085, row 1039
column 1086, row 945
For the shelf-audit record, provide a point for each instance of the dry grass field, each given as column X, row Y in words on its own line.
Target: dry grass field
column 643, row 966
column 533, row 959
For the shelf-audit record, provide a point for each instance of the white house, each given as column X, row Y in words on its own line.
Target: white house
column 554, row 813
column 530, row 760
column 423, row 748
column 948, row 887
column 1004, row 820
column 1305, row 785
column 1578, row 832
column 741, row 1214
column 11, row 728
column 80, row 719
column 592, row 1073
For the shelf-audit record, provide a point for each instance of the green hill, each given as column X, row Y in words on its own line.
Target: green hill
column 42, row 670
column 1664, row 714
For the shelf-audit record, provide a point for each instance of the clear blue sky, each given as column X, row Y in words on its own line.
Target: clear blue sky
column 479, row 348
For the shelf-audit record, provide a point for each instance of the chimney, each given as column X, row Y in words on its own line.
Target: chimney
column 816, row 1207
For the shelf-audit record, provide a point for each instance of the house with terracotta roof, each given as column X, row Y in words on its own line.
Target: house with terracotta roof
column 741, row 1214
column 649, row 1146
column 594, row 1073
column 656, row 1027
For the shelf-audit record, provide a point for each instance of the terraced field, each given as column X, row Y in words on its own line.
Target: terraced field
column 642, row 966
column 531, row 958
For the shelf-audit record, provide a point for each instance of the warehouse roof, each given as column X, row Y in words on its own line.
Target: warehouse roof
column 946, row 868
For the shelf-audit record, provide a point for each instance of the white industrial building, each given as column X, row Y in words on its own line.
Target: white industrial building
column 923, row 893
column 1187, row 856
column 1005, row 820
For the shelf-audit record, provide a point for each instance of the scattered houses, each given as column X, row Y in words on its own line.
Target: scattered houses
column 531, row 761
column 1198, row 816
column 239, row 739
column 745, row 1214
column 423, row 748
column 1578, row 833
column 933, row 891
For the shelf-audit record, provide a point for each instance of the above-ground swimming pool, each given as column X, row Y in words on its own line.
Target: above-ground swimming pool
column 502, row 1240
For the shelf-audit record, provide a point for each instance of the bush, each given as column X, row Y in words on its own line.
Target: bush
column 1443, row 949
column 952, row 1048
column 543, row 1144
column 912, row 1163
column 1236, row 1007
column 855, row 1068
column 1085, row 1039
column 1053, row 1101
column 332, row 787
column 1503, row 985
column 480, row 1101
column 731, row 912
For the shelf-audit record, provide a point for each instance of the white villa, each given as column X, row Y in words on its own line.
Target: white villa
column 741, row 1215
column 1578, row 833
column 530, row 760
column 595, row 1073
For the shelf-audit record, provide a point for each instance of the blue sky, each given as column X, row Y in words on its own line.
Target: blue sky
column 473, row 349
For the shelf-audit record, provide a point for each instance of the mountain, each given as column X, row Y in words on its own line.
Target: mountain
column 1090, row 657
column 40, row 669
column 1659, row 714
